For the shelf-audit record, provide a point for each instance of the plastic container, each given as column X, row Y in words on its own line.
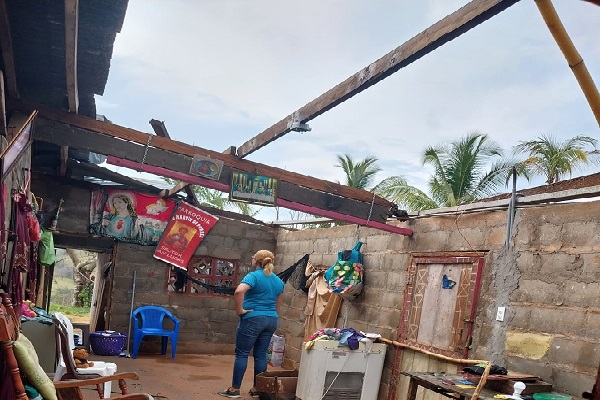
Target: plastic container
column 107, row 343
column 551, row 396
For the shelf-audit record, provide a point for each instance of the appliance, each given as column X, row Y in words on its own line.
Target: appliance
column 330, row 372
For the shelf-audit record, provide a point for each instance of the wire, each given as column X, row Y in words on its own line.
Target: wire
column 336, row 376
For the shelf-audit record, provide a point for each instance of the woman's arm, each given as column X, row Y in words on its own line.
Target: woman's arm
column 238, row 298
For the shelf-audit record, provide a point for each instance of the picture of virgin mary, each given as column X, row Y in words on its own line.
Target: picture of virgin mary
column 116, row 213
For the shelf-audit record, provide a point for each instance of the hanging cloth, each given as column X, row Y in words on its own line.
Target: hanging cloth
column 3, row 231
column 322, row 306
column 21, row 228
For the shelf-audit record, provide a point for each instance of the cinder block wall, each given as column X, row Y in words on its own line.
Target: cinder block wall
column 549, row 282
column 207, row 324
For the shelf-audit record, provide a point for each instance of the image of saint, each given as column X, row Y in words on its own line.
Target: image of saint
column 178, row 237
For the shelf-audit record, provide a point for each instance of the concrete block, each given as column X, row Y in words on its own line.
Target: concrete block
column 389, row 318
column 536, row 291
column 579, row 294
column 557, row 321
column 574, row 352
column 572, row 382
column 529, row 366
column 591, row 328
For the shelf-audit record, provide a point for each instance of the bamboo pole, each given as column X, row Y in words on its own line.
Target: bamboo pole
column 574, row 60
column 482, row 381
column 429, row 353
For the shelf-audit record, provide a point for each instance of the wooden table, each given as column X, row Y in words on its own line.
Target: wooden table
column 433, row 382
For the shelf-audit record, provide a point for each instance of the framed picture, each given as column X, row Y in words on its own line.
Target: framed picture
column 250, row 188
column 206, row 167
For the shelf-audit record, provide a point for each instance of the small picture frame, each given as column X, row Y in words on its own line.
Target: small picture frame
column 250, row 188
column 206, row 167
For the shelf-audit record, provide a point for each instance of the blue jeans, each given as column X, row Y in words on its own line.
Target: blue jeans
column 252, row 333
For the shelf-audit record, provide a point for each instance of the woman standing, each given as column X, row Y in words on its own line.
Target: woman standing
column 257, row 299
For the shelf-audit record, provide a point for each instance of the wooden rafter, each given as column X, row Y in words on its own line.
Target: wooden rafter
column 62, row 128
column 2, row 106
column 71, row 35
column 161, row 130
column 452, row 26
column 7, row 52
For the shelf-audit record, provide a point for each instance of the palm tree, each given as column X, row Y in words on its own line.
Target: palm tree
column 360, row 174
column 554, row 159
column 459, row 175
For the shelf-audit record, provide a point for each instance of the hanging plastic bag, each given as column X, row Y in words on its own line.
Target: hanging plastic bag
column 46, row 248
column 345, row 277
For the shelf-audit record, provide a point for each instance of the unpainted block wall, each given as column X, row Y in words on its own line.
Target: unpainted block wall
column 549, row 282
column 207, row 324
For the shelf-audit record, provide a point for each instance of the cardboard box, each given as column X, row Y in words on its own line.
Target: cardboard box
column 277, row 385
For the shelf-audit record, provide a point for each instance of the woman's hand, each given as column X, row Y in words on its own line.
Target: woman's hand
column 242, row 312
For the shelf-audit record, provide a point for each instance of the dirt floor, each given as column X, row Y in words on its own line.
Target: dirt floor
column 189, row 376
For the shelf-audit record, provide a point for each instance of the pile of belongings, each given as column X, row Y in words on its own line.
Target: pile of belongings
column 346, row 336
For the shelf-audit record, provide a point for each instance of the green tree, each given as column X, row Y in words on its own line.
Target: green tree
column 217, row 199
column 358, row 174
column 553, row 159
column 459, row 175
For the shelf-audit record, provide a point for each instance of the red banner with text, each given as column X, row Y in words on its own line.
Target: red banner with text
column 183, row 234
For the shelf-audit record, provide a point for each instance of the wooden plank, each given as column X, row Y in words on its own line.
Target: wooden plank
column 84, row 242
column 175, row 189
column 280, row 201
column 96, row 171
column 443, row 31
column 177, row 166
column 7, row 52
column 64, row 157
column 2, row 106
column 159, row 128
column 63, row 122
column 71, row 35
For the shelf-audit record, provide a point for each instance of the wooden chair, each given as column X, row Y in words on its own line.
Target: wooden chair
column 65, row 390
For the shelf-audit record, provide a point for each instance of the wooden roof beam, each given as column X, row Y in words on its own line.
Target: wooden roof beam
column 7, row 52
column 173, row 159
column 71, row 35
column 443, row 31
column 159, row 128
column 66, row 122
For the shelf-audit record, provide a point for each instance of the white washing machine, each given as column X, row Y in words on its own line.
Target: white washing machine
column 330, row 372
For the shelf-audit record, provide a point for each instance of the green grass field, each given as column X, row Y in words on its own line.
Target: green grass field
column 61, row 300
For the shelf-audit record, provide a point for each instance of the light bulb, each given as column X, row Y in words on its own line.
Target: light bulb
column 518, row 389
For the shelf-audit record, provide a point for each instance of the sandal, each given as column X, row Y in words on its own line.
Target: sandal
column 253, row 393
column 229, row 392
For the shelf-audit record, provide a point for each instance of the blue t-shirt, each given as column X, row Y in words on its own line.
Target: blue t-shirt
column 263, row 294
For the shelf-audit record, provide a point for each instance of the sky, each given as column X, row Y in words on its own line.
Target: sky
column 218, row 72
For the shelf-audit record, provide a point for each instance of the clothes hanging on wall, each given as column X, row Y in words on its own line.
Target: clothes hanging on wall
column 322, row 306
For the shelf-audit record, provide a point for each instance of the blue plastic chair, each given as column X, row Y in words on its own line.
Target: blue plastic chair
column 152, row 325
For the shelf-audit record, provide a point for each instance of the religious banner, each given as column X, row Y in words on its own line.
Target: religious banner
column 183, row 234
column 129, row 216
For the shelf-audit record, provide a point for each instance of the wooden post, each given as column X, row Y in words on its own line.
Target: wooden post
column 568, row 49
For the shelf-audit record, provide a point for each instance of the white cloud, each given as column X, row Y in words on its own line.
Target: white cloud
column 220, row 72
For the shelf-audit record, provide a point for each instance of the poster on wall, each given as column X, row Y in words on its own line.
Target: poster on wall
column 129, row 216
column 251, row 188
column 183, row 234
